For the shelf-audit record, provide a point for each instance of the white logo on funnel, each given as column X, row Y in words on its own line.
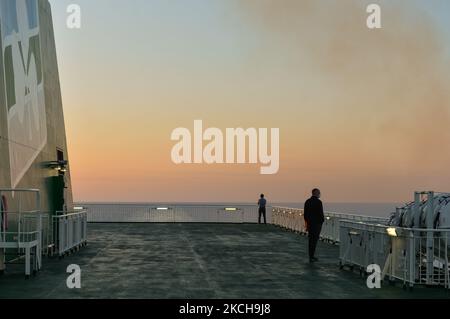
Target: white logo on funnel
column 22, row 64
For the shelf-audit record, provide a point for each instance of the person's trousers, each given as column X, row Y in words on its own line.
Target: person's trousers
column 314, row 236
column 262, row 213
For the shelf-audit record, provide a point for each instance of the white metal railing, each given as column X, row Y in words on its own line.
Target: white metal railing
column 21, row 225
column 154, row 213
column 70, row 231
column 402, row 253
column 293, row 219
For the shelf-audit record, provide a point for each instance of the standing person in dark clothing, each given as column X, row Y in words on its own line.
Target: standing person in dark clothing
column 314, row 218
column 262, row 209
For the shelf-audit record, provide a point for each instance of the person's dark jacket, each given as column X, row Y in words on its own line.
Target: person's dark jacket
column 314, row 215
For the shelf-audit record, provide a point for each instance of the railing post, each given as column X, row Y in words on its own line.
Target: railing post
column 40, row 242
column 19, row 225
column 2, row 233
column 412, row 259
column 446, row 264
column 416, row 208
column 85, row 227
column 430, row 238
column 62, row 236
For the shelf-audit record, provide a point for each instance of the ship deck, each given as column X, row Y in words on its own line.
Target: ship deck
column 193, row 261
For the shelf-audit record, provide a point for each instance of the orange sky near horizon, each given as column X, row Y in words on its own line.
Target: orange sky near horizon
column 362, row 114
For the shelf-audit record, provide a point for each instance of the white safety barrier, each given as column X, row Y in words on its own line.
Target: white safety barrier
column 401, row 253
column 153, row 213
column 21, row 225
column 70, row 231
column 293, row 219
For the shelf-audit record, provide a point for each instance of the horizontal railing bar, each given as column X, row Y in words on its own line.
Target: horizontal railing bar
column 333, row 213
column 21, row 233
column 25, row 212
column 20, row 190
column 70, row 215
column 433, row 230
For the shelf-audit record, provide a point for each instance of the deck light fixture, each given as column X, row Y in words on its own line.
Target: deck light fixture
column 60, row 166
column 231, row 209
column 392, row 231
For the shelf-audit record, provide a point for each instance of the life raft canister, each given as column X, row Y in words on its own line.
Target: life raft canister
column 4, row 212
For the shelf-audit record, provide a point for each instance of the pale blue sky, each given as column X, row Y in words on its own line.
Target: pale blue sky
column 210, row 22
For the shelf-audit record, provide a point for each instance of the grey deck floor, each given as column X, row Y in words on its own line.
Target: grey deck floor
column 194, row 261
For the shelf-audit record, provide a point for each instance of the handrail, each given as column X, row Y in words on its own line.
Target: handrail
column 404, row 254
column 24, row 239
column 71, row 231
column 81, row 212
column 336, row 214
column 21, row 190
column 292, row 219
column 180, row 213
column 22, row 233
column 32, row 213
column 433, row 230
column 168, row 205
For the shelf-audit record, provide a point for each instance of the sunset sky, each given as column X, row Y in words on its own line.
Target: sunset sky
column 363, row 114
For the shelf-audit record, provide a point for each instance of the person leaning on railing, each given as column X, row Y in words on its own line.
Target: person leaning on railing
column 314, row 219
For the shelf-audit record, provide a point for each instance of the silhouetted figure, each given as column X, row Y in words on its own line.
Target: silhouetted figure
column 314, row 218
column 262, row 209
